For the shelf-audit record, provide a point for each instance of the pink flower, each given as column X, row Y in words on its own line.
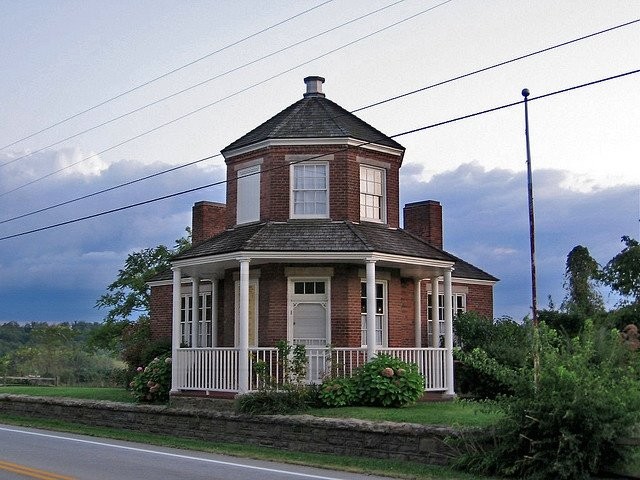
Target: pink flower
column 387, row 372
column 139, row 369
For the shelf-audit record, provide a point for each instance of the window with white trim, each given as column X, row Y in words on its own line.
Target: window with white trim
column 248, row 195
column 372, row 194
column 381, row 314
column 310, row 190
column 458, row 306
column 204, row 328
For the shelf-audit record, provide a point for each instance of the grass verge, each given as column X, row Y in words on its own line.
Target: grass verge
column 83, row 393
column 371, row 466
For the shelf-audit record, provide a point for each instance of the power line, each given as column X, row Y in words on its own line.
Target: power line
column 506, row 62
column 537, row 52
column 166, row 74
column 199, row 84
column 236, row 93
column 408, row 132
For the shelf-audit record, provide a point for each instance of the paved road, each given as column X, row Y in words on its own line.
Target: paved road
column 46, row 455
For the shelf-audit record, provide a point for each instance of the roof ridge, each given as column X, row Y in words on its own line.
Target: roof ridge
column 333, row 119
column 294, row 109
column 361, row 237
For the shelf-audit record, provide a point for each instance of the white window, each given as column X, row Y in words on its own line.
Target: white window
column 309, row 190
column 248, row 195
column 458, row 306
column 372, row 194
column 381, row 313
column 204, row 329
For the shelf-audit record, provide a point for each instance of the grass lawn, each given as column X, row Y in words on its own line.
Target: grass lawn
column 84, row 393
column 456, row 413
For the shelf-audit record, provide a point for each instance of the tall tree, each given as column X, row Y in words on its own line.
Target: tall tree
column 128, row 296
column 622, row 273
column 581, row 277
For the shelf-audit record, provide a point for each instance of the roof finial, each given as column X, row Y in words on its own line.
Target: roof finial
column 314, row 86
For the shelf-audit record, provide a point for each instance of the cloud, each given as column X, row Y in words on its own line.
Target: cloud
column 72, row 265
column 59, row 273
column 486, row 222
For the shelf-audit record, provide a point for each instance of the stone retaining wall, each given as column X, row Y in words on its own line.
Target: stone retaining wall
column 417, row 443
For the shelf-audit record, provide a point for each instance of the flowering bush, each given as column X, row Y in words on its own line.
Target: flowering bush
column 386, row 381
column 153, row 382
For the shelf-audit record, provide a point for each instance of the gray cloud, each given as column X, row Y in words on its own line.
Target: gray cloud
column 486, row 222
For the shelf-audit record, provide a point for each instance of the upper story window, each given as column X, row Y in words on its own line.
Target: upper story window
column 248, row 195
column 309, row 190
column 372, row 194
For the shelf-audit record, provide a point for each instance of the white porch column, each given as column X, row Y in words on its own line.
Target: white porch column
column 214, row 311
column 195, row 312
column 435, row 312
column 371, row 309
column 417, row 306
column 243, row 327
column 448, row 332
column 175, row 327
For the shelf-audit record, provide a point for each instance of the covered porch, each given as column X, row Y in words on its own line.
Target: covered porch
column 231, row 369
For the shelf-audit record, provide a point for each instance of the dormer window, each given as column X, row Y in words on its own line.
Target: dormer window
column 309, row 190
column 372, row 194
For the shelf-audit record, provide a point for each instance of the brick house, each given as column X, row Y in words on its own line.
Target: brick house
column 308, row 248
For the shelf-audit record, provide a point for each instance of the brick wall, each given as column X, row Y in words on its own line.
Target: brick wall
column 344, row 181
column 480, row 300
column 161, row 311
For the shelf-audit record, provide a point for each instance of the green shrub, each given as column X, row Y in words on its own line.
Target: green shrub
column 338, row 392
column 504, row 341
column 386, row 381
column 153, row 382
column 273, row 402
column 566, row 426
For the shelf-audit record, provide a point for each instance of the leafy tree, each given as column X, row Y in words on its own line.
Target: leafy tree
column 622, row 273
column 582, row 272
column 128, row 296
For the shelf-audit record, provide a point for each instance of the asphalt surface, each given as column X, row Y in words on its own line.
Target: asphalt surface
column 47, row 455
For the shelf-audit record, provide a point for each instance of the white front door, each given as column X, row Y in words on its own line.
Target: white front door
column 309, row 321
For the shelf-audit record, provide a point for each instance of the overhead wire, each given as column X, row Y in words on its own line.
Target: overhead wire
column 234, row 94
column 166, row 74
column 199, row 84
column 496, row 65
column 408, row 132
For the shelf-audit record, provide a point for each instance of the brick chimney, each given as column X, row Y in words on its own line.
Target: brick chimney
column 208, row 219
column 424, row 219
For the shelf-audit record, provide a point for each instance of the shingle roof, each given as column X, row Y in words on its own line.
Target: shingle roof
column 314, row 117
column 327, row 236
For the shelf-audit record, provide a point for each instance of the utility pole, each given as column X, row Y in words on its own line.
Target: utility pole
column 532, row 230
column 532, row 242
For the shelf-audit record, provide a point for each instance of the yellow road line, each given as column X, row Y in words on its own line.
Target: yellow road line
column 32, row 472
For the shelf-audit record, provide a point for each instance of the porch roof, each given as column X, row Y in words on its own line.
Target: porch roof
column 343, row 239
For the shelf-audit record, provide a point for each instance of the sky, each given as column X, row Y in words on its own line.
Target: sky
column 245, row 61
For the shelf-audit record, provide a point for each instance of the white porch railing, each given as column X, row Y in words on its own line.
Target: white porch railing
column 216, row 369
